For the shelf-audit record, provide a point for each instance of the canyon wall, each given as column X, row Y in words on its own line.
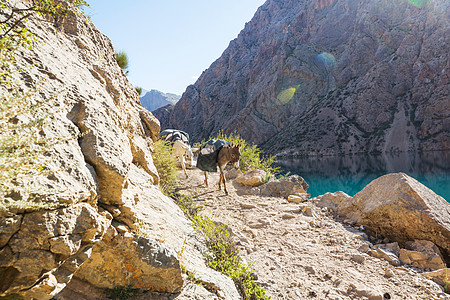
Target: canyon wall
column 327, row 77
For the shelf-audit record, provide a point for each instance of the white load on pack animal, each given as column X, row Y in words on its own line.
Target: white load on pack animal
column 181, row 149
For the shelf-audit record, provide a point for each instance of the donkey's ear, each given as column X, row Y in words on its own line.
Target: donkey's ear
column 232, row 144
column 239, row 145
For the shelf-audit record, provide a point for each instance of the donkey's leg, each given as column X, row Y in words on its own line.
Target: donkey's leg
column 183, row 165
column 222, row 178
column 206, row 178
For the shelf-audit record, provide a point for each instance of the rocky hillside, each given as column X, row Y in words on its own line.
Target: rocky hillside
column 155, row 99
column 110, row 226
column 327, row 76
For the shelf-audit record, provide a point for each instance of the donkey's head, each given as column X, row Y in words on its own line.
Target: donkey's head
column 235, row 154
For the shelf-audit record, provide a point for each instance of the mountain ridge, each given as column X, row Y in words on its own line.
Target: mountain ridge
column 359, row 64
column 155, row 99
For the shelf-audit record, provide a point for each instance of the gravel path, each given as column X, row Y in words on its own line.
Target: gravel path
column 300, row 252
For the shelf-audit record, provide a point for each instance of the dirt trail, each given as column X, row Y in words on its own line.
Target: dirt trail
column 302, row 253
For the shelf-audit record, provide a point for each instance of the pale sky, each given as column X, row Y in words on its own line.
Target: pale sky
column 169, row 43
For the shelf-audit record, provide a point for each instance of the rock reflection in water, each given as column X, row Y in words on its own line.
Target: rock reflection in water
column 351, row 173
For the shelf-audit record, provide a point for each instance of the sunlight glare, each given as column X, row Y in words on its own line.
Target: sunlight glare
column 286, row 95
column 418, row 3
column 327, row 59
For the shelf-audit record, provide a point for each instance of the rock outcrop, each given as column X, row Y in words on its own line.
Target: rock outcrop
column 327, row 77
column 400, row 208
column 107, row 224
column 423, row 255
column 41, row 257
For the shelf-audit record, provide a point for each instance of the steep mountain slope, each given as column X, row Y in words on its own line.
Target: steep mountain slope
column 106, row 224
column 365, row 76
column 155, row 99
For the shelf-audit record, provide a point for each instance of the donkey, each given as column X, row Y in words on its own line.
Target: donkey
column 180, row 150
column 228, row 153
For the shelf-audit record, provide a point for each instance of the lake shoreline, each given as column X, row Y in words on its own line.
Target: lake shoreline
column 351, row 173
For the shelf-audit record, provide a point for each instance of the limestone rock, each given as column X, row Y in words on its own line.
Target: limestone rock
column 94, row 106
column 387, row 255
column 356, row 98
column 46, row 247
column 423, row 255
column 401, row 209
column 152, row 215
column 392, row 247
column 307, row 210
column 233, row 173
column 358, row 258
column 441, row 277
column 252, row 178
column 152, row 124
column 103, row 171
column 298, row 198
column 363, row 291
column 9, row 226
column 332, row 200
column 282, row 187
column 130, row 260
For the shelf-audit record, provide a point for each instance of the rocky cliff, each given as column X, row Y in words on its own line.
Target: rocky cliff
column 155, row 99
column 327, row 76
column 110, row 225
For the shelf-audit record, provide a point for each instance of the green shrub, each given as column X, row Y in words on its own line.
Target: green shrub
column 138, row 90
column 122, row 60
column 187, row 205
column 224, row 257
column 166, row 165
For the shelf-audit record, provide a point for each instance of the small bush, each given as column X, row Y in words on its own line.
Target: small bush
column 224, row 257
column 122, row 60
column 166, row 165
column 138, row 90
column 188, row 205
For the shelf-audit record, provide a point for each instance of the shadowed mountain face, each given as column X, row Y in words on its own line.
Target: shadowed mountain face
column 155, row 99
column 327, row 77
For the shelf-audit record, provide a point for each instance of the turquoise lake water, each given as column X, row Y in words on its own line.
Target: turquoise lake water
column 351, row 173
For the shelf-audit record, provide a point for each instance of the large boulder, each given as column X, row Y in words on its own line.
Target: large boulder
column 252, row 178
column 402, row 209
column 282, row 187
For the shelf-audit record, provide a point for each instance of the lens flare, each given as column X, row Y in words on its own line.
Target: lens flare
column 326, row 59
column 286, row 95
column 418, row 3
